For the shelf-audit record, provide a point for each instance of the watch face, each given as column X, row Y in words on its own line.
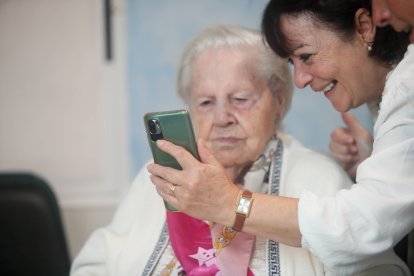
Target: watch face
column 244, row 205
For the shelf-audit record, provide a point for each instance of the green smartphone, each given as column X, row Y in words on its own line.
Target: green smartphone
column 174, row 126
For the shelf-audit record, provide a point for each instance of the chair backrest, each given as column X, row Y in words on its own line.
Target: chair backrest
column 401, row 249
column 32, row 239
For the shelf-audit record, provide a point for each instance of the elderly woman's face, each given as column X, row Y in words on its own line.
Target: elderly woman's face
column 232, row 109
column 341, row 70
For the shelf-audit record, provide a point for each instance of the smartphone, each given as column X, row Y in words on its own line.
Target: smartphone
column 174, row 126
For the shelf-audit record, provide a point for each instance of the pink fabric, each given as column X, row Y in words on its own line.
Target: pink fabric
column 187, row 236
column 235, row 258
column 191, row 241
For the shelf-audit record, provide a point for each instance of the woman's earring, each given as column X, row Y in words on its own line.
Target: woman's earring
column 370, row 46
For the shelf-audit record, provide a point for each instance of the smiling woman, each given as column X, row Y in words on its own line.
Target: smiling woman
column 343, row 53
column 323, row 61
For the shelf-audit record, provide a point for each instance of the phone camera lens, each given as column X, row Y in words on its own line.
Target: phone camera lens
column 154, row 126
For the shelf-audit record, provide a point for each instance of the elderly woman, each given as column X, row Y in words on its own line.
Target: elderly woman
column 335, row 49
column 238, row 92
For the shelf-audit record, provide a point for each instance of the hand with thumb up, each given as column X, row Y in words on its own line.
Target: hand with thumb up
column 350, row 145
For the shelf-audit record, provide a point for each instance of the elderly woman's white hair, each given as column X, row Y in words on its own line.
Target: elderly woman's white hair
column 273, row 69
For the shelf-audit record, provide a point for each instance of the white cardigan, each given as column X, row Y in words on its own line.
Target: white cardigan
column 125, row 246
column 349, row 230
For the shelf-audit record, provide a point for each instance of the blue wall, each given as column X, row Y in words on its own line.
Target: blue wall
column 158, row 31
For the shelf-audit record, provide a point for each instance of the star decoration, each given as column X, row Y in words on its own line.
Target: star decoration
column 204, row 256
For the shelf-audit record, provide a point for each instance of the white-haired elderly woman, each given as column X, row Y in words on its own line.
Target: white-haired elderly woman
column 238, row 92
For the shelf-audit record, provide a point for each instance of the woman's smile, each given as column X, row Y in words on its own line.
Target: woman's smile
column 329, row 89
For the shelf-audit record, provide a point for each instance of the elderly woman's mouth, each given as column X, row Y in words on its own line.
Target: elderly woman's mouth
column 227, row 140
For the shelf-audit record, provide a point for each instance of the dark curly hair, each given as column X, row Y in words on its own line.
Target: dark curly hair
column 337, row 15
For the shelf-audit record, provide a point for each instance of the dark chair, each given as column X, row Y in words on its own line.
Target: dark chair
column 405, row 250
column 401, row 249
column 32, row 239
column 410, row 254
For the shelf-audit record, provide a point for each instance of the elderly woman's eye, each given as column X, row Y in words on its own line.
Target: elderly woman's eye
column 205, row 103
column 242, row 102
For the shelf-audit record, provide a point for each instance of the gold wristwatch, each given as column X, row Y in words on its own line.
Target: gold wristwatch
column 243, row 207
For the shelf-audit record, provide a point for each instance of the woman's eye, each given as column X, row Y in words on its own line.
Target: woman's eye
column 240, row 100
column 243, row 103
column 205, row 103
column 305, row 57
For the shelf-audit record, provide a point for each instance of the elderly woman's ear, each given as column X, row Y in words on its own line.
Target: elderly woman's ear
column 365, row 25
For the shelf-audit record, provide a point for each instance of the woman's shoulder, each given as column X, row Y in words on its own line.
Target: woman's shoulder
column 305, row 168
column 296, row 152
column 142, row 192
column 401, row 76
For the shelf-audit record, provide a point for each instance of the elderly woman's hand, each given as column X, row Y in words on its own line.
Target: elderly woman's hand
column 202, row 189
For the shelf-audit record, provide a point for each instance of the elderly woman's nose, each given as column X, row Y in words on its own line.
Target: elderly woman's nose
column 223, row 114
column 301, row 77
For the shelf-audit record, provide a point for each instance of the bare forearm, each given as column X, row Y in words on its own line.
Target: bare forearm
column 273, row 217
column 276, row 218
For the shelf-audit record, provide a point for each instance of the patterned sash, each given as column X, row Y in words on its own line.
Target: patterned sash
column 191, row 238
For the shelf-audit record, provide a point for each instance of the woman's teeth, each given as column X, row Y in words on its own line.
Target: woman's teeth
column 328, row 87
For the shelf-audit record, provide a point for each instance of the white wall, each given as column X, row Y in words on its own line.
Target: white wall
column 63, row 106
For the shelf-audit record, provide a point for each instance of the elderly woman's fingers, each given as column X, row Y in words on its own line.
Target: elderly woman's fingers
column 169, row 174
column 183, row 157
column 166, row 190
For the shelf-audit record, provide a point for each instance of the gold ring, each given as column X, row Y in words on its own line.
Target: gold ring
column 172, row 189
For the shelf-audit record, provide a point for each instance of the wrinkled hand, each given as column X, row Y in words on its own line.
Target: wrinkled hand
column 203, row 189
column 350, row 145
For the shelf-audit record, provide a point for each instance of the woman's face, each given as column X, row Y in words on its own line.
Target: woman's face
column 398, row 13
column 341, row 70
column 231, row 107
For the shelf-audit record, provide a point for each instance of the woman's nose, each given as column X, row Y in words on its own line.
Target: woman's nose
column 301, row 76
column 223, row 115
column 380, row 13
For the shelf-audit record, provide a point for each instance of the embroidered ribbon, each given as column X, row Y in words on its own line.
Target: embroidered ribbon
column 190, row 239
column 235, row 258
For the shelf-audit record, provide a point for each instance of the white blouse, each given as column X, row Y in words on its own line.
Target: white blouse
column 347, row 229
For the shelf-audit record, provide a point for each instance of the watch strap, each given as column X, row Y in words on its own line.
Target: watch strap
column 241, row 217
